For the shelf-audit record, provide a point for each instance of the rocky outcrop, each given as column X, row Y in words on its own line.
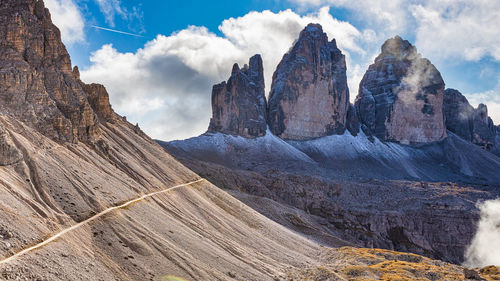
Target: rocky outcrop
column 471, row 124
column 37, row 84
column 9, row 154
column 352, row 120
column 239, row 105
column 458, row 114
column 309, row 96
column 484, row 132
column 401, row 96
column 98, row 99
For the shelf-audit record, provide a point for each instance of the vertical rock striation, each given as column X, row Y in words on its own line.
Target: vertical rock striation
column 471, row 124
column 401, row 96
column 239, row 105
column 9, row 154
column 484, row 131
column 37, row 83
column 309, row 96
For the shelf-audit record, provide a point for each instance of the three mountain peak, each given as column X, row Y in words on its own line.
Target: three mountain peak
column 401, row 97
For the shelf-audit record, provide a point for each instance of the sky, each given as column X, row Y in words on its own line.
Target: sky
column 160, row 66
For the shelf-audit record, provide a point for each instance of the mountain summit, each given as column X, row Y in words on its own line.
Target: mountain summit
column 309, row 96
column 401, row 96
column 39, row 86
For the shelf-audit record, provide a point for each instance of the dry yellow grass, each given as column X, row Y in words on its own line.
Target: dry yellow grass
column 349, row 263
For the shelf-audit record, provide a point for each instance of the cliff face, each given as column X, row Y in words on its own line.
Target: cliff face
column 239, row 105
column 38, row 84
column 309, row 96
column 401, row 96
column 469, row 123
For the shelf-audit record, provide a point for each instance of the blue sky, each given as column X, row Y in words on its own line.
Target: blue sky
column 157, row 17
column 162, row 79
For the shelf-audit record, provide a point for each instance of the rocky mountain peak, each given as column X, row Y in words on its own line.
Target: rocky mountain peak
column 37, row 84
column 314, row 31
column 309, row 96
column 239, row 105
column 400, row 97
column 471, row 124
column 398, row 48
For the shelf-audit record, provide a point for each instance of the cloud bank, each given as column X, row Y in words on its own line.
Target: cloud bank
column 166, row 86
column 485, row 247
column 443, row 29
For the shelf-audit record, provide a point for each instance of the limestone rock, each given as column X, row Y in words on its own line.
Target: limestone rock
column 471, row 124
column 309, row 95
column 484, row 132
column 9, row 154
column 239, row 105
column 401, row 96
column 458, row 114
column 352, row 120
column 37, row 83
column 99, row 100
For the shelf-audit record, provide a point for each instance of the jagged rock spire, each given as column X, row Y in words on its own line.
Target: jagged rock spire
column 309, row 96
column 239, row 105
column 401, row 96
column 471, row 124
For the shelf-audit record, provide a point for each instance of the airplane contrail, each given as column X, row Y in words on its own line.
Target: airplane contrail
column 117, row 31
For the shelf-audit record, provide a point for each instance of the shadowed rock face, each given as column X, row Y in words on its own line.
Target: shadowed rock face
column 37, row 84
column 484, row 132
column 458, row 114
column 471, row 124
column 309, row 96
column 401, row 96
column 239, row 105
column 9, row 154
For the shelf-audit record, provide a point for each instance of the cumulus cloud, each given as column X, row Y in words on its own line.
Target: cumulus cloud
column 67, row 17
column 444, row 29
column 468, row 29
column 388, row 17
column 166, row 85
column 485, row 247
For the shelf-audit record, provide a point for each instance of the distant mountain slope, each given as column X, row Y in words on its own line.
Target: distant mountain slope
column 369, row 193
column 347, row 157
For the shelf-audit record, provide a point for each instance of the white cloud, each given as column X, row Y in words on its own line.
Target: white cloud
column 166, row 85
column 113, row 9
column 458, row 29
column 67, row 17
column 445, row 29
column 388, row 17
column 491, row 99
column 485, row 246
